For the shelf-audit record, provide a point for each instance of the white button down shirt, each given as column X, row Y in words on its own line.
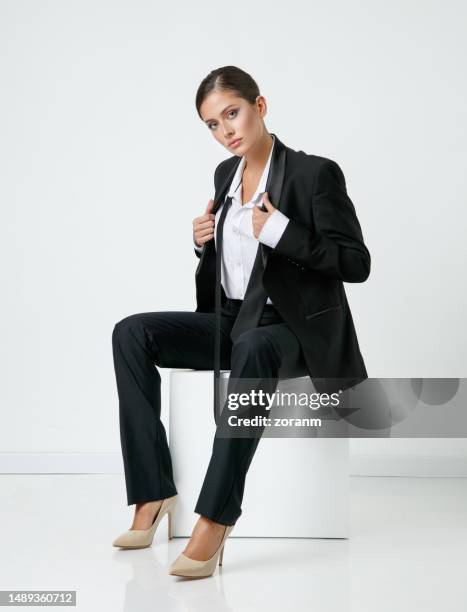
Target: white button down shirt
column 239, row 246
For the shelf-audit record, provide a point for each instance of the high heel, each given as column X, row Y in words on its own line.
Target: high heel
column 184, row 566
column 221, row 556
column 142, row 538
column 169, row 524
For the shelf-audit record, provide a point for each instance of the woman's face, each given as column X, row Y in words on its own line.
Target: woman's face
column 230, row 117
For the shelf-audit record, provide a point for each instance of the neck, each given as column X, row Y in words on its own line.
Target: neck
column 257, row 156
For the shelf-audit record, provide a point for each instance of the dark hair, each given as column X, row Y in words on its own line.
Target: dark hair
column 228, row 78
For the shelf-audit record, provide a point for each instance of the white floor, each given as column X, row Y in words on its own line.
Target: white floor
column 407, row 551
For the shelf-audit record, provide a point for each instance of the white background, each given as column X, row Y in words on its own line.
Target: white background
column 104, row 163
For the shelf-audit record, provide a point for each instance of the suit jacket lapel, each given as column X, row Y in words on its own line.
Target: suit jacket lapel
column 274, row 184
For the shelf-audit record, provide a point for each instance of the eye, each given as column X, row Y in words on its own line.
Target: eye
column 235, row 111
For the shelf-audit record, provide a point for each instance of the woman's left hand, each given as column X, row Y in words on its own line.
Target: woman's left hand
column 260, row 217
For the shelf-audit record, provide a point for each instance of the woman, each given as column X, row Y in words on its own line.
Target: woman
column 270, row 304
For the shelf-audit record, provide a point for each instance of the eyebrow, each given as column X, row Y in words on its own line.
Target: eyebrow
column 223, row 111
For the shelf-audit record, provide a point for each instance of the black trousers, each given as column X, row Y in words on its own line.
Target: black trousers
column 184, row 339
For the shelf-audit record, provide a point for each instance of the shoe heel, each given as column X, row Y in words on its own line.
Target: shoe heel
column 221, row 557
column 169, row 525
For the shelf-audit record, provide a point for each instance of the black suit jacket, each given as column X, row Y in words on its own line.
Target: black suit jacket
column 321, row 248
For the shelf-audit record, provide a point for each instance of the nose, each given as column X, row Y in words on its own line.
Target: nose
column 228, row 132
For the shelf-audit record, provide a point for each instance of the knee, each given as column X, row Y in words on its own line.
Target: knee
column 127, row 326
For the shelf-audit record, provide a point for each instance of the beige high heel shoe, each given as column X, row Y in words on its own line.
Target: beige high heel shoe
column 184, row 566
column 142, row 538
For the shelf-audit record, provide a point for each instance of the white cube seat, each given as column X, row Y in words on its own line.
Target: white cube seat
column 308, row 475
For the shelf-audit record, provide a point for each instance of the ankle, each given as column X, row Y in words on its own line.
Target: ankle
column 205, row 521
column 149, row 505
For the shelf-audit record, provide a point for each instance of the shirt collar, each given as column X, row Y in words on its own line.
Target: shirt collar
column 234, row 191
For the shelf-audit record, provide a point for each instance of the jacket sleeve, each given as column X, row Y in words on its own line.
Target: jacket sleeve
column 335, row 247
column 198, row 250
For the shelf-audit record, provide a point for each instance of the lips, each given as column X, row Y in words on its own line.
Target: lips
column 235, row 142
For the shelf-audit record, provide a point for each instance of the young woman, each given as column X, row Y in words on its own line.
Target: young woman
column 270, row 304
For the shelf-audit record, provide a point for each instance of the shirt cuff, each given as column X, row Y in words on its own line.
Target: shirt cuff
column 273, row 229
column 198, row 248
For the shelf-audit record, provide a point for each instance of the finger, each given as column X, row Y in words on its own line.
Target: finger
column 206, row 217
column 267, row 202
column 205, row 239
column 204, row 224
column 204, row 232
column 258, row 213
column 209, row 206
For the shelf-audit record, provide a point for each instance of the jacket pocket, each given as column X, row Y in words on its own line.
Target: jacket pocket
column 315, row 314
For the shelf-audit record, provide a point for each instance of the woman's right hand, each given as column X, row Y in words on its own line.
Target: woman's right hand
column 203, row 227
